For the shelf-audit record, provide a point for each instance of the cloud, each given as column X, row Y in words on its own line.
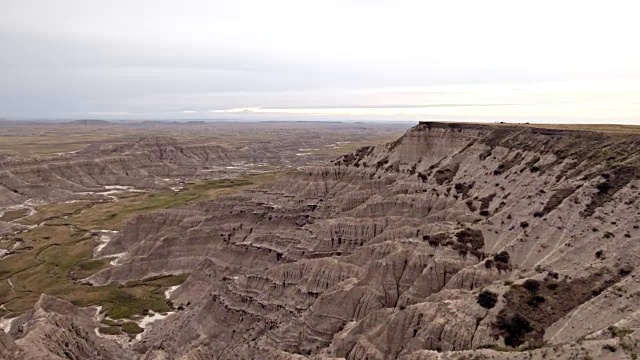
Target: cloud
column 108, row 113
column 237, row 110
column 79, row 56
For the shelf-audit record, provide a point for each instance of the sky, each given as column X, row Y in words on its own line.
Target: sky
column 536, row 61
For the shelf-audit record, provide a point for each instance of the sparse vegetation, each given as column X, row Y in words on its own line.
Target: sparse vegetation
column 50, row 268
column 558, row 297
column 617, row 178
column 619, row 332
column 535, row 300
column 111, row 215
column 514, row 327
column 131, row 328
column 556, row 199
column 110, row 330
column 487, row 299
column 502, row 257
column 531, row 285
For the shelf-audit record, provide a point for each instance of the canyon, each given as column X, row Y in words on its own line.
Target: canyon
column 451, row 241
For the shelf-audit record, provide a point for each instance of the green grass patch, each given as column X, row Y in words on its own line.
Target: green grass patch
column 58, row 256
column 131, row 328
column 110, row 330
column 89, row 267
column 53, row 211
column 112, row 215
column 125, row 303
column 52, row 257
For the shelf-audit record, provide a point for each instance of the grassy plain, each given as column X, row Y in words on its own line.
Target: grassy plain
column 50, row 258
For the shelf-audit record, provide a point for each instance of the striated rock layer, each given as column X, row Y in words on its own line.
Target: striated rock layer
column 457, row 241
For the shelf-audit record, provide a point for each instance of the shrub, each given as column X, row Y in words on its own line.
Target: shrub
column 524, row 224
column 552, row 286
column 619, row 332
column 599, row 254
column 625, row 270
column 604, row 187
column 502, row 257
column 514, row 326
column 535, row 300
column 532, row 285
column 487, row 299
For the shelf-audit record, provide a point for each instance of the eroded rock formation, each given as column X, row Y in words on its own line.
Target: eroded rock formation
column 383, row 254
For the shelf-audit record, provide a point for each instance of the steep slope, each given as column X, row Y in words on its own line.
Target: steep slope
column 56, row 329
column 453, row 242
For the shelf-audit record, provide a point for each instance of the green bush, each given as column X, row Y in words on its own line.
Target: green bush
column 532, row 285
column 502, row 257
column 487, row 299
column 514, row 326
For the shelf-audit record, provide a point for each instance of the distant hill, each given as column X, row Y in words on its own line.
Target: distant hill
column 90, row 122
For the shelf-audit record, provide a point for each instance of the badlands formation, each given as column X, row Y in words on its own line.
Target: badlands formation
column 456, row 241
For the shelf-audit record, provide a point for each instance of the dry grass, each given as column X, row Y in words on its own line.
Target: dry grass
column 46, row 140
column 610, row 128
column 12, row 215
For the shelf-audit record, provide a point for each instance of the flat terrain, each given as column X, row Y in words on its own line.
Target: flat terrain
column 44, row 140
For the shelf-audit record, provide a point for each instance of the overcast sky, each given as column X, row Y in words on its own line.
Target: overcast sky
column 365, row 59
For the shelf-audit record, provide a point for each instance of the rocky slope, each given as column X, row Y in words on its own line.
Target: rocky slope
column 457, row 241
column 56, row 329
column 149, row 163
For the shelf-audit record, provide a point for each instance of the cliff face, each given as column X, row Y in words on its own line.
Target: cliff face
column 454, row 239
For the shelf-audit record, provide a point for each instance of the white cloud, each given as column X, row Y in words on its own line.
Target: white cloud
column 238, row 110
column 108, row 113
column 103, row 55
